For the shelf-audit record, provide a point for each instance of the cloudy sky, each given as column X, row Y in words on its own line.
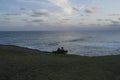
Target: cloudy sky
column 58, row 14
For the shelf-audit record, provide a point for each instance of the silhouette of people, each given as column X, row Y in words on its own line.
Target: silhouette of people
column 62, row 49
column 58, row 50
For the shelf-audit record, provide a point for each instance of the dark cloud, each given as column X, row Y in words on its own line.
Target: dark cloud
column 81, row 15
column 80, row 23
column 40, row 13
column 75, row 8
column 90, row 10
column 99, row 19
column 115, row 15
column 87, row 15
column 83, row 19
column 66, row 19
column 24, row 19
column 12, row 14
column 115, row 22
column 33, row 0
column 6, row 18
column 108, row 20
column 22, row 8
column 38, row 21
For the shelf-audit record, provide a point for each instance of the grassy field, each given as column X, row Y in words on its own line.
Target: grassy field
column 17, row 63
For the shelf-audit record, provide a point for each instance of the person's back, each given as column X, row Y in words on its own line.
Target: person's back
column 58, row 50
column 62, row 49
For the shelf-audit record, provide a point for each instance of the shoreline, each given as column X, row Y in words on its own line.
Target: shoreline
column 34, row 51
column 20, row 48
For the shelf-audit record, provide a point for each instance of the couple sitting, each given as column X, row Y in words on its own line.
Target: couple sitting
column 60, row 51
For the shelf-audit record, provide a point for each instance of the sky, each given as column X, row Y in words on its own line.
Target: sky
column 59, row 14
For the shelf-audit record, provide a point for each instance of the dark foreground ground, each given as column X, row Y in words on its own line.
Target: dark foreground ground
column 17, row 63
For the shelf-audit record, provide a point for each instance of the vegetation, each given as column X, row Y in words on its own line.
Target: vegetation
column 18, row 63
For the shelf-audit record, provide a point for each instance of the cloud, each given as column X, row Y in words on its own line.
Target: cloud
column 90, row 10
column 115, row 22
column 38, row 20
column 83, row 19
column 66, row 19
column 75, row 8
column 32, row 0
column 6, row 18
column 64, row 5
column 115, row 15
column 108, row 20
column 12, row 14
column 22, row 8
column 99, row 19
column 42, row 12
column 81, row 23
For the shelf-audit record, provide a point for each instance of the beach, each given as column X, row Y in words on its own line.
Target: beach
column 20, row 63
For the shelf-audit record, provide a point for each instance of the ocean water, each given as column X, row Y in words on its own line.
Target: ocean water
column 85, row 43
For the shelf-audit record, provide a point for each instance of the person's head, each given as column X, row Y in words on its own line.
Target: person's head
column 61, row 47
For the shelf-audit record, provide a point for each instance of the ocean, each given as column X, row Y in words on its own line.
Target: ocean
column 84, row 43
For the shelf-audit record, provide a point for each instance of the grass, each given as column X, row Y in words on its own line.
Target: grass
column 18, row 63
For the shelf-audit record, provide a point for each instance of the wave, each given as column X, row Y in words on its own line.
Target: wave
column 54, row 44
column 72, row 40
column 102, row 44
column 78, row 39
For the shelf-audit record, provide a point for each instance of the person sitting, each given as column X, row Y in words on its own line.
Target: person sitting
column 60, row 51
column 63, row 51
